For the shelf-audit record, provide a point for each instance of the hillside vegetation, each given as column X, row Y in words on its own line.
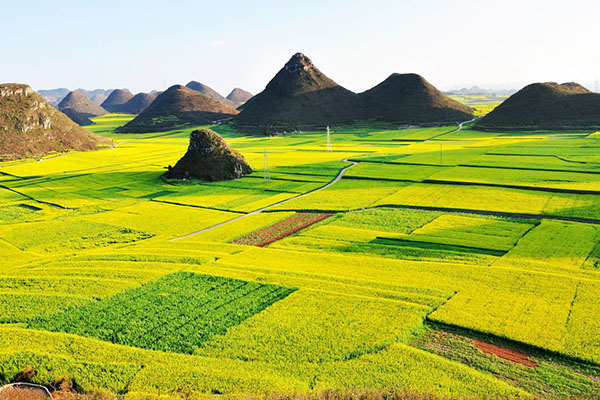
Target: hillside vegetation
column 30, row 127
column 550, row 106
column 178, row 107
column 300, row 96
column 80, row 108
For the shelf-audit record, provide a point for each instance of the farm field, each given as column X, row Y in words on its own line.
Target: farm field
column 481, row 104
column 454, row 263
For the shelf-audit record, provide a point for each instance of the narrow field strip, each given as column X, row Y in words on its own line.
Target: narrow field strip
column 507, row 186
column 281, row 229
column 541, row 169
column 540, row 372
column 484, row 212
column 506, row 353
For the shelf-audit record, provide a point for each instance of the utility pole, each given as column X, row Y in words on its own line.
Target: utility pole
column 267, row 174
column 328, row 140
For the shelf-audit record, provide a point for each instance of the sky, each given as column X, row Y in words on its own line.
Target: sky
column 151, row 45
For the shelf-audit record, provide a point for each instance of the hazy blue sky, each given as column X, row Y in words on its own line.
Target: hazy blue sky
column 148, row 44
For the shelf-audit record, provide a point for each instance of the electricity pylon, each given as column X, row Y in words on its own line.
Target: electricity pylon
column 328, row 140
column 267, row 174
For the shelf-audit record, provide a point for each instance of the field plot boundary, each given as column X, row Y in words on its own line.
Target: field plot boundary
column 541, row 372
column 531, row 349
column 339, row 176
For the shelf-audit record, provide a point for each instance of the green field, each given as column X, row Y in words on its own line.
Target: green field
column 481, row 104
column 437, row 240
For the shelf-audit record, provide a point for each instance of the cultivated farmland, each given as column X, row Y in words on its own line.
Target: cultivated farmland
column 449, row 262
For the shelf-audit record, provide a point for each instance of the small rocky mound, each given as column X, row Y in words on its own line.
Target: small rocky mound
column 546, row 106
column 116, row 101
column 80, row 108
column 178, row 107
column 139, row 103
column 209, row 158
column 239, row 96
column 30, row 127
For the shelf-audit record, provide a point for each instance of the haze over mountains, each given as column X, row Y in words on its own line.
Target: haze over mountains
column 55, row 96
column 300, row 96
column 476, row 90
column 31, row 127
column 546, row 106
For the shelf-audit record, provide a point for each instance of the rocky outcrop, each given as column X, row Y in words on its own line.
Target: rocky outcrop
column 30, row 127
column 209, row 158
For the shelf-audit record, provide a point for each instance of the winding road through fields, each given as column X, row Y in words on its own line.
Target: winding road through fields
column 343, row 171
column 339, row 176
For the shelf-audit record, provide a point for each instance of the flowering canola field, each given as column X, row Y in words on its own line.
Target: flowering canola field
column 109, row 275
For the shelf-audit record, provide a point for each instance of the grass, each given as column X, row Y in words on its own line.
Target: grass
column 93, row 286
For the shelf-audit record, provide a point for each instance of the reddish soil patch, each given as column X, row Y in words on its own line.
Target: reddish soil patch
column 281, row 229
column 22, row 394
column 505, row 353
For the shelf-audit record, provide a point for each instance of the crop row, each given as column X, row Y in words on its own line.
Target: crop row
column 175, row 313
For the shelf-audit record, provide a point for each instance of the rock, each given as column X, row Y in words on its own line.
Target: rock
column 209, row 158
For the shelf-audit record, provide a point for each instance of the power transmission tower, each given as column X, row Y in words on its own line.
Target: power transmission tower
column 328, row 140
column 267, row 174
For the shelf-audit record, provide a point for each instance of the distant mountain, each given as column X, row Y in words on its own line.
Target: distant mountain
column 298, row 96
column 115, row 102
column 302, row 97
column 410, row 99
column 476, row 90
column 80, row 108
column 177, row 107
column 546, row 106
column 31, row 127
column 97, row 95
column 239, row 96
column 209, row 158
column 138, row 103
column 213, row 94
column 54, row 96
